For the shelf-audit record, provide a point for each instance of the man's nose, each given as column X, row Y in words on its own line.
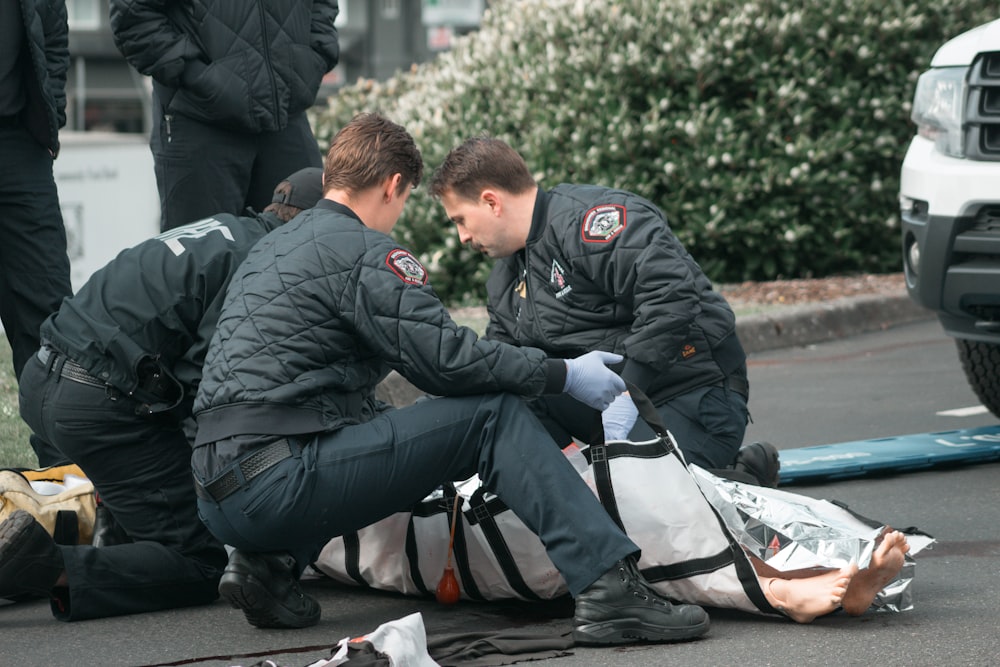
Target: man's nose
column 464, row 236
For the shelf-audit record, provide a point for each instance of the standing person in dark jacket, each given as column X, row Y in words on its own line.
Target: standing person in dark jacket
column 581, row 268
column 112, row 388
column 293, row 448
column 232, row 80
column 34, row 267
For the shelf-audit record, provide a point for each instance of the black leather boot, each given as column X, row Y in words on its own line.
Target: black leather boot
column 30, row 561
column 621, row 607
column 267, row 589
column 760, row 460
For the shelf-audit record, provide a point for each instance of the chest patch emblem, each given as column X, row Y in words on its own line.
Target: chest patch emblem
column 603, row 223
column 406, row 266
column 557, row 279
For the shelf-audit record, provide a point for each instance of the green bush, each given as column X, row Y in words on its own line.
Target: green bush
column 15, row 450
column 771, row 133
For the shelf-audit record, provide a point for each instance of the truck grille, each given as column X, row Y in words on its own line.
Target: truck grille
column 987, row 219
column 982, row 112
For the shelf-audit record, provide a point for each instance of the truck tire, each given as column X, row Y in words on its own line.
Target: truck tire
column 981, row 362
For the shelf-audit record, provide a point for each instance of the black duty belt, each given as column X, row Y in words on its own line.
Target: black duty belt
column 70, row 369
column 250, row 465
column 10, row 121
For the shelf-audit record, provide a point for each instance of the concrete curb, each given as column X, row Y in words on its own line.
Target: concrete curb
column 795, row 326
column 782, row 327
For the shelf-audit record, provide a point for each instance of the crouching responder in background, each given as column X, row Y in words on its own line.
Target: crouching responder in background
column 112, row 388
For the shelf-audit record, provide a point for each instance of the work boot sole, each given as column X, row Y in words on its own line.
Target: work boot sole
column 248, row 593
column 631, row 630
column 15, row 534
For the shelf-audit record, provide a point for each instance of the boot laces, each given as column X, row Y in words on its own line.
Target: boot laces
column 628, row 573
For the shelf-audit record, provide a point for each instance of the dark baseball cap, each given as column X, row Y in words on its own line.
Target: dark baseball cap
column 306, row 190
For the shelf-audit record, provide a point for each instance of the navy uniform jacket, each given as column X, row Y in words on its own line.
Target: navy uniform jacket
column 157, row 301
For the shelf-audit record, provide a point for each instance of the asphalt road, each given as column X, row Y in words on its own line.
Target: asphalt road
column 868, row 386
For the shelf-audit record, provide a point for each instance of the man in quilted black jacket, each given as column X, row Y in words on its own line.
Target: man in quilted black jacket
column 585, row 267
column 232, row 80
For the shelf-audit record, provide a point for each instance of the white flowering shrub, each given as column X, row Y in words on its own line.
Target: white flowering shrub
column 770, row 132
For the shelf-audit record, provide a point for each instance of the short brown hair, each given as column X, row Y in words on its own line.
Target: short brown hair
column 283, row 212
column 368, row 150
column 480, row 163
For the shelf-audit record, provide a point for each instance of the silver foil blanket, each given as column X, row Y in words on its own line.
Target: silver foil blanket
column 789, row 531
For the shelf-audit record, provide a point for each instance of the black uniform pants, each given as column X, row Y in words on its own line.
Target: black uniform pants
column 339, row 482
column 141, row 467
column 708, row 423
column 205, row 169
column 34, row 267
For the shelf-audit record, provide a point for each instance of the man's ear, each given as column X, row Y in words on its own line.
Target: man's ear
column 493, row 199
column 390, row 187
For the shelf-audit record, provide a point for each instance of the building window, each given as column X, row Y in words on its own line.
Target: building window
column 83, row 14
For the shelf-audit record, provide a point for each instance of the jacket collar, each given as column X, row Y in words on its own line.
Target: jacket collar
column 539, row 218
column 336, row 207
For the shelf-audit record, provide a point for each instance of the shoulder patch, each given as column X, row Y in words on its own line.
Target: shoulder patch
column 603, row 223
column 406, row 266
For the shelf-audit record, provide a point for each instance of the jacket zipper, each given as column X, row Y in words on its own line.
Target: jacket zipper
column 267, row 60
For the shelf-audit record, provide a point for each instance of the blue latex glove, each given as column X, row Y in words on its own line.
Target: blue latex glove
column 619, row 418
column 590, row 381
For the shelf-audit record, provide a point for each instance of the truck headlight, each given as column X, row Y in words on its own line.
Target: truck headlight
column 938, row 105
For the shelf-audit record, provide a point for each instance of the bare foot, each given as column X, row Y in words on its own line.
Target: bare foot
column 887, row 561
column 805, row 599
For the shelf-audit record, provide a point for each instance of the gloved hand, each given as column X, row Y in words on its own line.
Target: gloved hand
column 590, row 381
column 619, row 418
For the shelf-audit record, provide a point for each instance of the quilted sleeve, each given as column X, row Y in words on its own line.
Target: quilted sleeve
column 323, row 34
column 401, row 318
column 57, row 56
column 149, row 39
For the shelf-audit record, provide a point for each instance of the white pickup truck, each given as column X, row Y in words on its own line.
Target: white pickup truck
column 950, row 202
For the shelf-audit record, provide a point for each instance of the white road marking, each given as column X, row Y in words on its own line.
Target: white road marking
column 964, row 412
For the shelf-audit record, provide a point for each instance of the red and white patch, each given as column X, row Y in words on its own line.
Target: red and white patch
column 603, row 223
column 405, row 265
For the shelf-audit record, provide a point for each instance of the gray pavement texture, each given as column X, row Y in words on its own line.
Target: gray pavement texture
column 217, row 636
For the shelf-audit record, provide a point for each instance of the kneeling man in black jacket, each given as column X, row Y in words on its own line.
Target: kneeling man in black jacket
column 584, row 267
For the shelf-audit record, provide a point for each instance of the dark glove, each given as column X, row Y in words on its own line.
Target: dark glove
column 590, row 381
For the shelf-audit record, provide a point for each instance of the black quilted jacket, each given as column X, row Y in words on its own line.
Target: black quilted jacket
column 48, row 45
column 602, row 271
column 319, row 313
column 244, row 64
